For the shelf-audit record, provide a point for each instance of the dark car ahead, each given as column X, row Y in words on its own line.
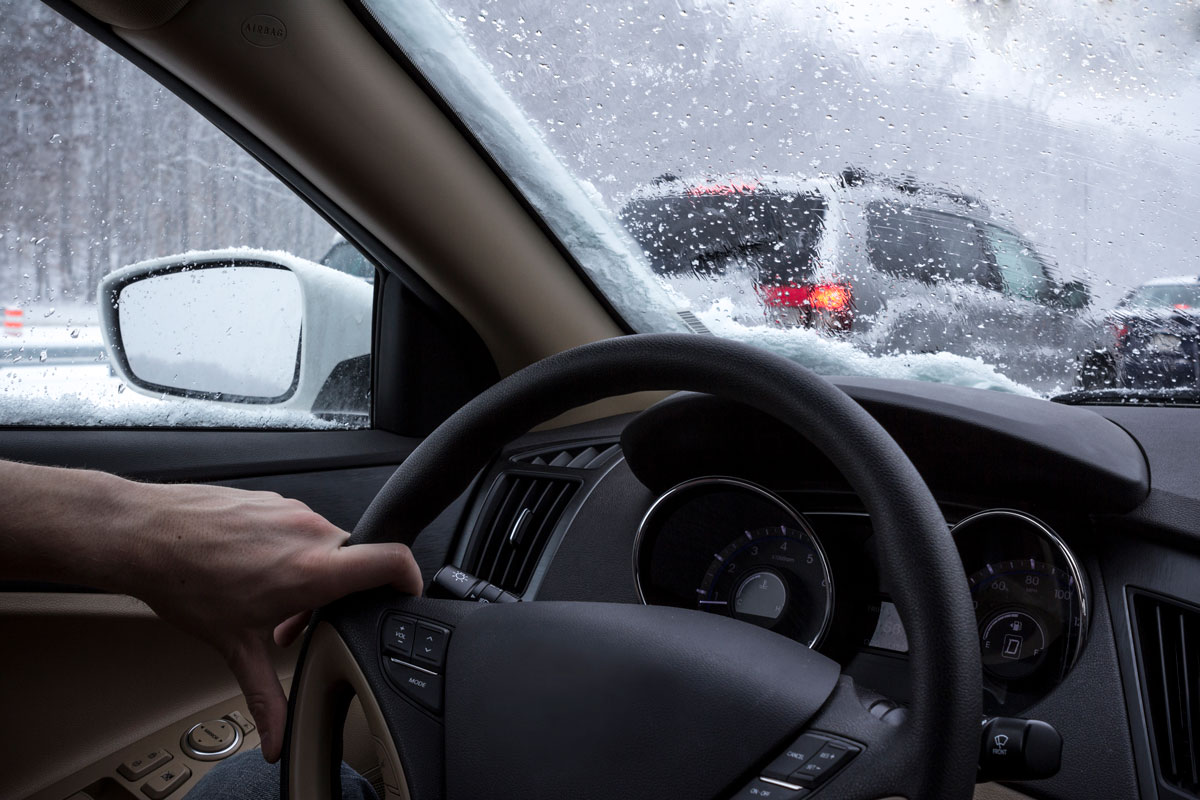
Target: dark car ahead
column 1150, row 340
column 890, row 265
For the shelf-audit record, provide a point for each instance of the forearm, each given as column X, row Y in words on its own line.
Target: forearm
column 70, row 526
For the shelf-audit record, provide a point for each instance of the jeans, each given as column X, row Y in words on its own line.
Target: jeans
column 247, row 777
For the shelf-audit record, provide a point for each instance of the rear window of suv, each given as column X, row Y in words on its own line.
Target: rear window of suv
column 1172, row 295
column 713, row 229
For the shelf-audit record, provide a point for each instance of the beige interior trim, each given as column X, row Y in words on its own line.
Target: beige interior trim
column 104, row 774
column 329, row 676
column 338, row 108
column 89, row 675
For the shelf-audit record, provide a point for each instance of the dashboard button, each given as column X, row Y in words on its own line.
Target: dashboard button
column 419, row 684
column 211, row 740
column 398, row 635
column 794, row 757
column 239, row 719
column 430, row 644
column 135, row 768
column 763, row 790
column 166, row 781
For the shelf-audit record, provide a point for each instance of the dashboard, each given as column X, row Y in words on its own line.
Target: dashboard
column 1066, row 546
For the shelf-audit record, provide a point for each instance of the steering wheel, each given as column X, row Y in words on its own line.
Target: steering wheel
column 545, row 700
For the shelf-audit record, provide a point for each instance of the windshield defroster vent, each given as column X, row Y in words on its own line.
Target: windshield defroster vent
column 586, row 456
column 516, row 525
column 1168, row 642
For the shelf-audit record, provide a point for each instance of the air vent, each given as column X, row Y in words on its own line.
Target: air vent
column 693, row 323
column 588, row 456
column 514, row 529
column 1168, row 638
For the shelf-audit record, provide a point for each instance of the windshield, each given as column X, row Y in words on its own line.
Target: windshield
column 948, row 191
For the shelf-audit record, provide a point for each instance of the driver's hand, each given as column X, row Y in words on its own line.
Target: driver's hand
column 236, row 568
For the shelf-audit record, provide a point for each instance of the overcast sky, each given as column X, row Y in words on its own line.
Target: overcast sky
column 1076, row 120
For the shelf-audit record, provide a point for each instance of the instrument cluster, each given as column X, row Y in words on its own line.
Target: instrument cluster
column 727, row 546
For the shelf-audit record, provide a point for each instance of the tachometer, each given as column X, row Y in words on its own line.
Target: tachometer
column 732, row 547
column 775, row 577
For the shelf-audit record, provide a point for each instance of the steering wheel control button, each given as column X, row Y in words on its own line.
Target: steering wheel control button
column 420, row 684
column 760, row 789
column 166, row 781
column 430, row 645
column 398, row 634
column 212, row 740
column 821, row 767
column 794, row 757
column 239, row 719
column 135, row 768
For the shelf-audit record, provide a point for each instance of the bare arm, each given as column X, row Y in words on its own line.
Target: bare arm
column 230, row 566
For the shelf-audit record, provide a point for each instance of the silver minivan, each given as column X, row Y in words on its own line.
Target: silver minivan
column 893, row 266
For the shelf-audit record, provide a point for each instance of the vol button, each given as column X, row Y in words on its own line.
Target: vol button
column 398, row 636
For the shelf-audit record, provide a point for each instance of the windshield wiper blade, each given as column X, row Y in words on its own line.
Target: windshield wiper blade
column 1183, row 396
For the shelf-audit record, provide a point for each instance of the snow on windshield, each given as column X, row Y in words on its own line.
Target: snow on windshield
column 992, row 177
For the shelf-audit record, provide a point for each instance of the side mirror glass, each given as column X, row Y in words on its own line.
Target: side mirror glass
column 218, row 332
column 241, row 327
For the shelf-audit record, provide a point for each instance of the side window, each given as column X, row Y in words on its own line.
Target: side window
column 926, row 245
column 956, row 250
column 895, row 245
column 1021, row 270
column 151, row 272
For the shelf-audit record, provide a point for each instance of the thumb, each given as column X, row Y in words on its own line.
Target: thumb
column 250, row 662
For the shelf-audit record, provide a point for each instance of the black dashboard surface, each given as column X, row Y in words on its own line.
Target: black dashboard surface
column 1101, row 478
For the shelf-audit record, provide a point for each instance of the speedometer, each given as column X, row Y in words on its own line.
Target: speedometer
column 775, row 577
column 1024, row 608
column 1030, row 603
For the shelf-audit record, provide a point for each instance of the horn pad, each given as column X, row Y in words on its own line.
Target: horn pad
column 599, row 700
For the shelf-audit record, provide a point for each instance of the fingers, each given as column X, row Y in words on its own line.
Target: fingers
column 251, row 664
column 290, row 629
column 365, row 566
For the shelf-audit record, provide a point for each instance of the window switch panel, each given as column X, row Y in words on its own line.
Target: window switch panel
column 135, row 768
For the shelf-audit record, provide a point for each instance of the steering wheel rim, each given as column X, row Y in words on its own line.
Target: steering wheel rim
column 932, row 752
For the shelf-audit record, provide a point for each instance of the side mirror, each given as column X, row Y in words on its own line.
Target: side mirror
column 1074, row 295
column 241, row 327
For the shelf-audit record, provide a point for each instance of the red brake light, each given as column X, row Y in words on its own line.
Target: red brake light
column 1182, row 306
column 831, row 297
column 819, row 297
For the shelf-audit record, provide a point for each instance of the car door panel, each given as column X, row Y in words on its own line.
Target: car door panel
column 89, row 675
